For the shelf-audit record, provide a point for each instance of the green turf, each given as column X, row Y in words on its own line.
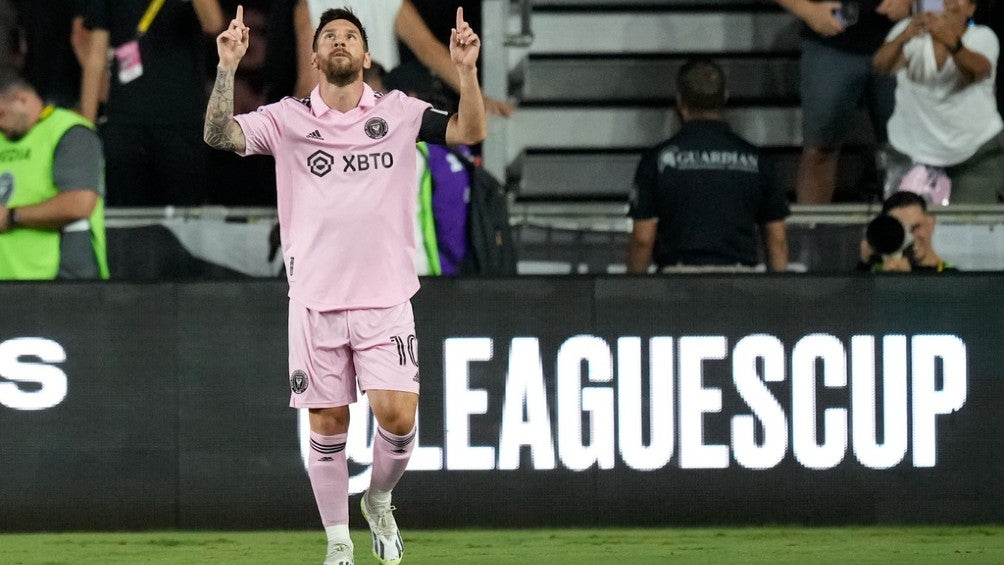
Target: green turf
column 879, row 545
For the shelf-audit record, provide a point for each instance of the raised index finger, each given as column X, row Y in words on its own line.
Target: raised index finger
column 240, row 14
column 460, row 16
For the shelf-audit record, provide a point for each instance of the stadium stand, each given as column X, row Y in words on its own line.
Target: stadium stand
column 594, row 82
column 596, row 85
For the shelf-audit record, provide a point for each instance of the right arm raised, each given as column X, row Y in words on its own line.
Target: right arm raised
column 221, row 130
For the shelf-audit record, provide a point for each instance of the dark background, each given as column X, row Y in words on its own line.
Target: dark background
column 176, row 413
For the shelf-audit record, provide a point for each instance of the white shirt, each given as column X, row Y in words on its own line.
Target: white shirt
column 939, row 119
column 377, row 16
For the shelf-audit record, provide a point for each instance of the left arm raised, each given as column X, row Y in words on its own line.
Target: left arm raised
column 469, row 125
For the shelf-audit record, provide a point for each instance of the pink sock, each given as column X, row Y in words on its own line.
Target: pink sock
column 390, row 458
column 329, row 476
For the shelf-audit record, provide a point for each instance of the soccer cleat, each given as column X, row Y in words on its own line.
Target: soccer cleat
column 387, row 545
column 339, row 554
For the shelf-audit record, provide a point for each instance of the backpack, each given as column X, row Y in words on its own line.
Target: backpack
column 491, row 250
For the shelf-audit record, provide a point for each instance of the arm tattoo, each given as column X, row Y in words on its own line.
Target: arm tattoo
column 221, row 131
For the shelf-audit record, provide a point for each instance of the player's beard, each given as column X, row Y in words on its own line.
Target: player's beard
column 341, row 70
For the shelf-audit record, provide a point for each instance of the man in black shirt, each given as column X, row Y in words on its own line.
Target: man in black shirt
column 699, row 196
column 153, row 120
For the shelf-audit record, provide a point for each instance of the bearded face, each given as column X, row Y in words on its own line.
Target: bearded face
column 340, row 67
column 341, row 55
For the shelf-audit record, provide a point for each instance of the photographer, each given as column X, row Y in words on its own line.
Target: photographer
column 899, row 239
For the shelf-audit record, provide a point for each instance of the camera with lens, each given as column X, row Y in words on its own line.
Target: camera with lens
column 888, row 236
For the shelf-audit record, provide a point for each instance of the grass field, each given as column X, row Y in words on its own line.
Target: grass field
column 880, row 545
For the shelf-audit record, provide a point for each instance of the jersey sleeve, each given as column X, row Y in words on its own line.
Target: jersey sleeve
column 897, row 29
column 262, row 130
column 77, row 162
column 646, row 182
column 982, row 40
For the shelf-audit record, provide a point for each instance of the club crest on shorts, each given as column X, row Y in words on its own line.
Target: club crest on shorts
column 376, row 128
column 298, row 382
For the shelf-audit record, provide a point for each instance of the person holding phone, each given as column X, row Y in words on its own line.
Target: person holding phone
column 839, row 39
column 946, row 111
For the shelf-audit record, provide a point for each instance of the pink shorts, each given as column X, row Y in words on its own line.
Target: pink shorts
column 331, row 353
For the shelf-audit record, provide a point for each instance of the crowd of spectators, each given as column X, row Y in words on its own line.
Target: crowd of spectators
column 139, row 71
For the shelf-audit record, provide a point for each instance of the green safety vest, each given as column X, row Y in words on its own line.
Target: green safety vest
column 426, row 219
column 28, row 253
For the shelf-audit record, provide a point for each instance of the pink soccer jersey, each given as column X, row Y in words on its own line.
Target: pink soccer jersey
column 346, row 196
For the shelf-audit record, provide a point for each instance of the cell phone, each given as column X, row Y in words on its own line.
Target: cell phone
column 847, row 14
column 920, row 6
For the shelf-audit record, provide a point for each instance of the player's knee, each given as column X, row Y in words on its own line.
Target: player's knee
column 329, row 421
column 399, row 423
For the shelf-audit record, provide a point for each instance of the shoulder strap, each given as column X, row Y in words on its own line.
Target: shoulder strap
column 147, row 20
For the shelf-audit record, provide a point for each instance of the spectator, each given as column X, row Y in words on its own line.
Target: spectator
column 699, row 195
column 836, row 74
column 946, row 112
column 406, row 24
column 51, row 201
column 910, row 210
column 152, row 129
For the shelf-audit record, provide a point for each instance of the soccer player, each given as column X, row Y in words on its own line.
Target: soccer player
column 345, row 178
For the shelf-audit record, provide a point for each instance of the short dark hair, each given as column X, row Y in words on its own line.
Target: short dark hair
column 11, row 80
column 340, row 14
column 376, row 71
column 701, row 85
column 902, row 199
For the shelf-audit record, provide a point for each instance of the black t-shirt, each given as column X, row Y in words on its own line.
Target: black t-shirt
column 172, row 88
column 709, row 189
column 863, row 37
column 440, row 17
column 50, row 64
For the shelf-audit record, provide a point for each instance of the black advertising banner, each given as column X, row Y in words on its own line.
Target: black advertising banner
column 545, row 401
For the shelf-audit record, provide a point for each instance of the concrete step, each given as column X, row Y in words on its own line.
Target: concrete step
column 557, row 127
column 607, row 176
column 662, row 31
column 618, row 80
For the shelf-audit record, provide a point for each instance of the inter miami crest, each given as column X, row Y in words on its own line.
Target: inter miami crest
column 376, row 128
column 298, row 382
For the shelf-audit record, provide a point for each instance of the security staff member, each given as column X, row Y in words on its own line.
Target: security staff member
column 51, row 201
column 699, row 195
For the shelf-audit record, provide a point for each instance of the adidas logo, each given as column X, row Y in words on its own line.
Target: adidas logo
column 327, row 459
column 315, row 135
